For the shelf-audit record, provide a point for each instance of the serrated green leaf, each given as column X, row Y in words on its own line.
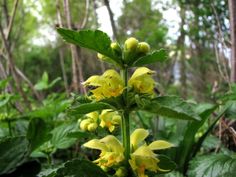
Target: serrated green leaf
column 91, row 39
column 38, row 133
column 172, row 107
column 13, row 152
column 156, row 56
column 217, row 165
column 89, row 107
column 80, row 168
column 60, row 139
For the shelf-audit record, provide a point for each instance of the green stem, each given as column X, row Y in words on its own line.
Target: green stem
column 125, row 118
column 126, row 135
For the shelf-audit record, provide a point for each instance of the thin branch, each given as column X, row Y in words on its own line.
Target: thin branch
column 85, row 16
column 11, row 19
column 5, row 11
column 12, row 68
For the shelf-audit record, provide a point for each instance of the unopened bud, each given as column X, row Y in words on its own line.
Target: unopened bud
column 92, row 127
column 143, row 47
column 131, row 44
column 121, row 172
column 84, row 124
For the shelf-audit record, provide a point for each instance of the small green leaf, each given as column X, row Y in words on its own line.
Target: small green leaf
column 89, row 107
column 13, row 152
column 80, row 168
column 172, row 107
column 38, row 133
column 216, row 165
column 95, row 40
column 157, row 56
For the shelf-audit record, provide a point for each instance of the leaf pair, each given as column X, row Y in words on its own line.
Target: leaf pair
column 100, row 42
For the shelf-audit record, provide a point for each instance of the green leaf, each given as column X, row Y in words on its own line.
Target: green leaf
column 89, row 107
column 13, row 152
column 186, row 145
column 81, row 168
column 164, row 164
column 231, row 112
column 172, row 174
column 38, row 133
column 156, row 56
column 60, row 137
column 172, row 107
column 78, row 134
column 203, row 137
column 95, row 40
column 217, row 165
column 28, row 169
column 4, row 99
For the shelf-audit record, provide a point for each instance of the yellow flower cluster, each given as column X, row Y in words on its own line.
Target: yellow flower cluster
column 107, row 85
column 142, row 156
column 108, row 119
column 110, row 84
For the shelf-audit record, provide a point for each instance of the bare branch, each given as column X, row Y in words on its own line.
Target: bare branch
column 85, row 16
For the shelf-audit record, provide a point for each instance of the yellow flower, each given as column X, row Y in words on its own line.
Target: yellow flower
column 143, row 158
column 111, row 151
column 107, row 85
column 90, row 123
column 142, row 81
column 109, row 119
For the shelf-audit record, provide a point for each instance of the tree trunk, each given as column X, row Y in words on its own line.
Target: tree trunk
column 181, row 47
column 232, row 12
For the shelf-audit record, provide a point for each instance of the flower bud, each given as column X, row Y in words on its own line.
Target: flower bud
column 143, row 47
column 84, row 124
column 131, row 44
column 101, row 56
column 121, row 172
column 115, row 46
column 92, row 127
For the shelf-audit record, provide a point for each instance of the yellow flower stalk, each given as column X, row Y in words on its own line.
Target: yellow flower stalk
column 142, row 81
column 111, row 151
column 109, row 119
column 107, row 85
column 142, row 156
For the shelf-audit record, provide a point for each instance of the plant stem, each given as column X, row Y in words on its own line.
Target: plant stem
column 125, row 118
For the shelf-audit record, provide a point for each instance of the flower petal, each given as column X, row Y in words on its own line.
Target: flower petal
column 160, row 144
column 137, row 137
column 112, row 143
column 140, row 72
column 96, row 144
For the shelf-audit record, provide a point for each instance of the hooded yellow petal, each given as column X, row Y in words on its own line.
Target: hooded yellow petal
column 96, row 144
column 160, row 144
column 112, row 143
column 140, row 72
column 93, row 81
column 137, row 137
column 144, row 151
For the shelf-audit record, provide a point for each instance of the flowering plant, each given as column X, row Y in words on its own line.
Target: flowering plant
column 114, row 95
